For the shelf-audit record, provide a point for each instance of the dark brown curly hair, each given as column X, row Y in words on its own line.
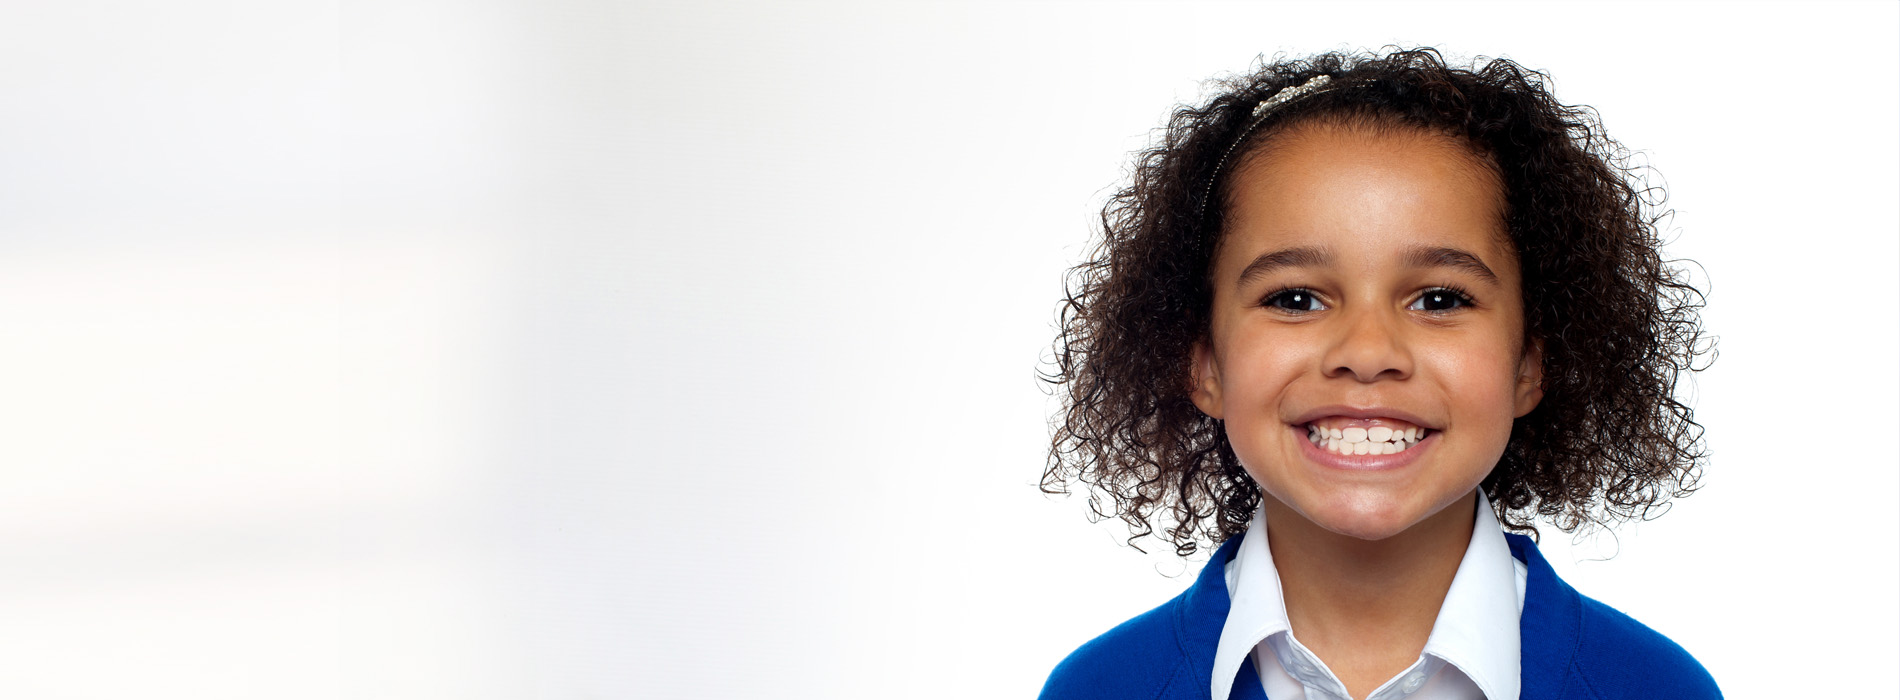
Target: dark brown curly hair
column 1617, row 323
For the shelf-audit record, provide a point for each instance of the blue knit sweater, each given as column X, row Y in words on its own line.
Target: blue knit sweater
column 1574, row 648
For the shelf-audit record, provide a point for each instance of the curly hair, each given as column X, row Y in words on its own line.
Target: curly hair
column 1618, row 324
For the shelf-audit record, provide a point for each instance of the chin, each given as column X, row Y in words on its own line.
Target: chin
column 1368, row 530
column 1370, row 521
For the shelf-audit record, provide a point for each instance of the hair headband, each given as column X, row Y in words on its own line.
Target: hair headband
column 1319, row 83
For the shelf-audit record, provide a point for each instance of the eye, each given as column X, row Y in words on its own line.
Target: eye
column 1294, row 300
column 1440, row 299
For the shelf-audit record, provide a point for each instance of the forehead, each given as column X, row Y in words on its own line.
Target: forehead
column 1373, row 189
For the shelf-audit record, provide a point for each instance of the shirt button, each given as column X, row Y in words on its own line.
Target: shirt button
column 1413, row 682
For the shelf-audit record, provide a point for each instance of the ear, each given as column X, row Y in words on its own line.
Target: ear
column 1530, row 377
column 1206, row 394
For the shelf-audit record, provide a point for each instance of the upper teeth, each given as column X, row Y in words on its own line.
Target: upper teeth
column 1376, row 440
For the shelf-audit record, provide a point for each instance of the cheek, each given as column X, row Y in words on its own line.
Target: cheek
column 1482, row 388
column 1257, row 374
column 1257, row 369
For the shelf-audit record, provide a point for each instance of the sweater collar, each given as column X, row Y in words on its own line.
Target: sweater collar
column 1552, row 624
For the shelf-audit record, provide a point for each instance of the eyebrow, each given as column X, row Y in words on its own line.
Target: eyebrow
column 1313, row 256
column 1290, row 257
column 1452, row 258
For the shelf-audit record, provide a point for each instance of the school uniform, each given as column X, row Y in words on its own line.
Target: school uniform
column 1206, row 644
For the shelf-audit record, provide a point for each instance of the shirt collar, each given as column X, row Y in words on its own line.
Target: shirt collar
column 1258, row 609
column 1477, row 626
column 1476, row 629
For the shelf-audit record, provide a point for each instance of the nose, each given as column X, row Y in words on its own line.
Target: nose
column 1369, row 346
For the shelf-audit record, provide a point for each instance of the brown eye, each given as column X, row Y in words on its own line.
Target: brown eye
column 1440, row 299
column 1294, row 300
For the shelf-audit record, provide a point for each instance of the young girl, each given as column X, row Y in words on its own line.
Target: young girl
column 1357, row 317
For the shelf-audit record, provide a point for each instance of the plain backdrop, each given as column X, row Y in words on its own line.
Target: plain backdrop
column 567, row 349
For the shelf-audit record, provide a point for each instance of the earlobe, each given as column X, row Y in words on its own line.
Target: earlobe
column 1206, row 378
column 1530, row 377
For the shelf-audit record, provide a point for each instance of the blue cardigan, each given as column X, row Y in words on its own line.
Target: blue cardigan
column 1573, row 648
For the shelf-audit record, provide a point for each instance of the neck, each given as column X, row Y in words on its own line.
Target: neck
column 1366, row 607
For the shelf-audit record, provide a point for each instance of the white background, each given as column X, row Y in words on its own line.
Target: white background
column 638, row 350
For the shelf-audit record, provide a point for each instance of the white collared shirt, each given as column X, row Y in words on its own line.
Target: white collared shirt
column 1472, row 652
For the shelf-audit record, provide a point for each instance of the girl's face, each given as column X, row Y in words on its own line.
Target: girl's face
column 1366, row 348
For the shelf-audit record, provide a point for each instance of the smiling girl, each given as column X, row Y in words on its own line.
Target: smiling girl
column 1356, row 318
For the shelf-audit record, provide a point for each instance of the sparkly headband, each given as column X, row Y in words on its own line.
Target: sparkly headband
column 1261, row 111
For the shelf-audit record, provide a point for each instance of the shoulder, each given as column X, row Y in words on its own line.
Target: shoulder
column 1138, row 659
column 1576, row 647
column 1618, row 657
column 1167, row 652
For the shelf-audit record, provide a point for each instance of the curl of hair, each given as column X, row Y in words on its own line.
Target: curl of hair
column 1617, row 324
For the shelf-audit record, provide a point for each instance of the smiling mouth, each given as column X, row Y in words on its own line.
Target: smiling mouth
column 1379, row 436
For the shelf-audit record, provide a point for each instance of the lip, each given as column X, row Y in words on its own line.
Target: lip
column 1362, row 463
column 1360, row 412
